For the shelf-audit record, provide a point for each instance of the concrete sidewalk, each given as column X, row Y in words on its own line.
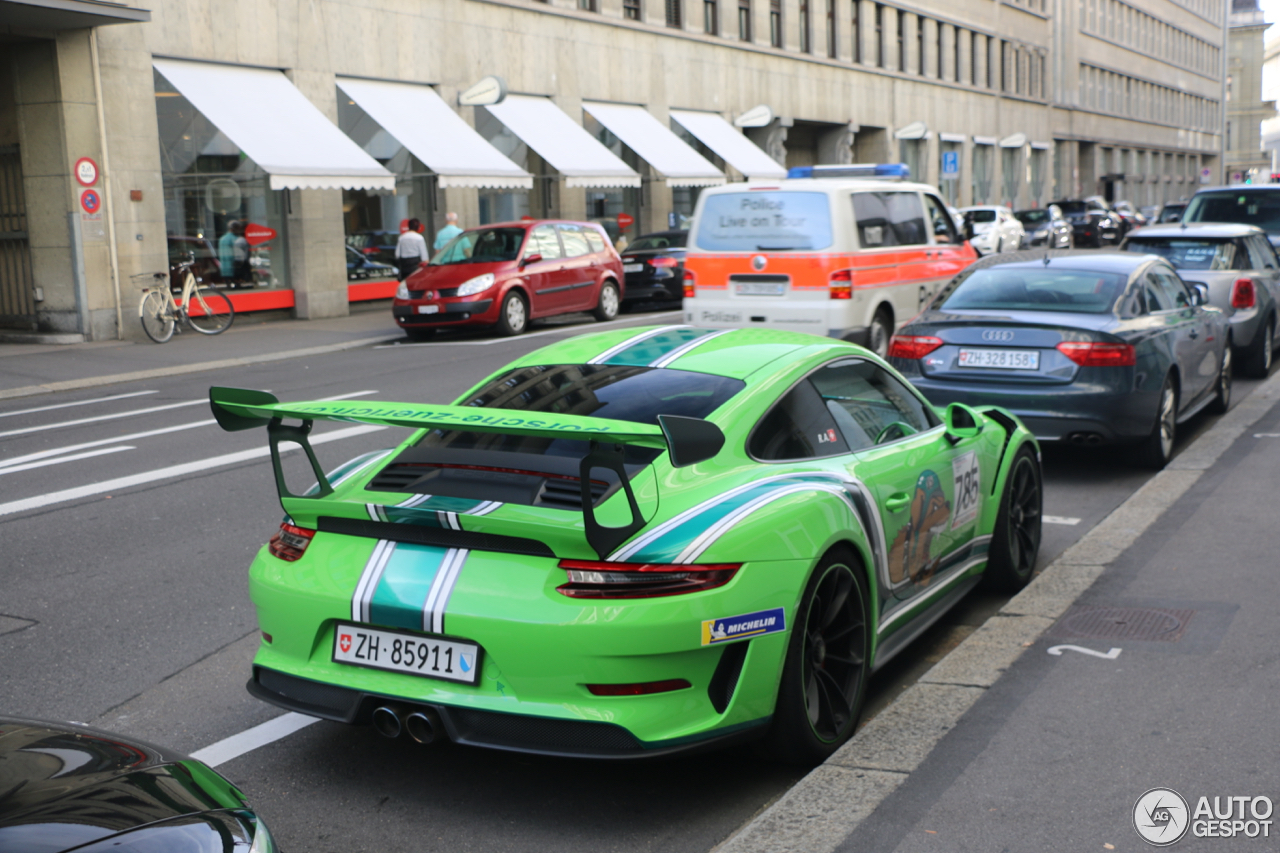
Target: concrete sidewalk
column 1013, row 742
column 27, row 369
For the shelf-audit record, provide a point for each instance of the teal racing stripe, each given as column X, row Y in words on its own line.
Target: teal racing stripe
column 405, row 584
column 653, row 348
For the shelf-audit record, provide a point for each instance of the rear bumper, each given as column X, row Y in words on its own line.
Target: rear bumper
column 641, row 288
column 491, row 729
column 831, row 318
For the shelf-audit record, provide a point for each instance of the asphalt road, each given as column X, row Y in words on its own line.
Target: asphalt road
column 127, row 524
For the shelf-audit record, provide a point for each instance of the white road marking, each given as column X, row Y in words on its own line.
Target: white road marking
column 491, row 341
column 168, row 473
column 11, row 469
column 77, row 403
column 116, row 416
column 250, row 739
column 1266, row 435
column 1060, row 519
column 1058, row 650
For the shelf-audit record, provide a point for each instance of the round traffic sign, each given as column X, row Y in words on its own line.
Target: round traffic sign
column 90, row 201
column 625, row 221
column 86, row 172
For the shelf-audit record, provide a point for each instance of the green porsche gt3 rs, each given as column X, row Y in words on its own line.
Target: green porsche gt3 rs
column 634, row 543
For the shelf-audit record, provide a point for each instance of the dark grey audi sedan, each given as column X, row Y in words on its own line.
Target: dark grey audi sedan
column 1087, row 348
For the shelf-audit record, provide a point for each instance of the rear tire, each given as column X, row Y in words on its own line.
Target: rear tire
column 217, row 312
column 157, row 318
column 1015, row 542
column 607, row 308
column 1156, row 450
column 1256, row 360
column 513, row 317
column 824, row 675
column 879, row 333
column 1222, row 391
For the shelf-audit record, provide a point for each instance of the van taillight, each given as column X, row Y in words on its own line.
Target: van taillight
column 690, row 284
column 912, row 346
column 841, row 284
column 290, row 542
column 1098, row 355
column 1243, row 294
column 664, row 262
column 601, row 579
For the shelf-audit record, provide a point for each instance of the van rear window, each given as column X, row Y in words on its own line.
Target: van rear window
column 765, row 221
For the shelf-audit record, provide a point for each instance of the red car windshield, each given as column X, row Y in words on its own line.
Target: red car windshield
column 481, row 246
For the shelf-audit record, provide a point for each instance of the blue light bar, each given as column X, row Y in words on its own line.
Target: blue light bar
column 899, row 171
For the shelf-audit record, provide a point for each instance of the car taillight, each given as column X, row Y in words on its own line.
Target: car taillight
column 664, row 262
column 290, row 542
column 690, row 284
column 841, row 284
column 642, row 689
column 1098, row 355
column 602, row 579
column 1243, row 294
column 912, row 346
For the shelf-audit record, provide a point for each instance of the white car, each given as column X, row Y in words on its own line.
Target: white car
column 995, row 229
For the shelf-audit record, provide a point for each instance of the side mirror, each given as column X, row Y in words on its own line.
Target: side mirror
column 1200, row 293
column 530, row 259
column 962, row 422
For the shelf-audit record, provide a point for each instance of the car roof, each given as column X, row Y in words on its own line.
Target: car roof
column 984, row 207
column 1077, row 259
column 1198, row 229
column 1250, row 188
column 821, row 185
column 529, row 223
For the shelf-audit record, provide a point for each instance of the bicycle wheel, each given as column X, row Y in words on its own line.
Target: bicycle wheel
column 157, row 317
column 213, row 309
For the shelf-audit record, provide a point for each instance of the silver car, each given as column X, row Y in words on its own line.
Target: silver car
column 1240, row 270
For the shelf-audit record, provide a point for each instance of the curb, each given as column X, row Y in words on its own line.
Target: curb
column 823, row 808
column 198, row 367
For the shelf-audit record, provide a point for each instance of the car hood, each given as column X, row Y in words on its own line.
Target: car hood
column 452, row 275
column 66, row 785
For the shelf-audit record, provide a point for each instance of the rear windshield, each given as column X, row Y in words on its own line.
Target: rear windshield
column 636, row 394
column 1248, row 208
column 980, row 215
column 1171, row 212
column 764, row 221
column 1072, row 206
column 1188, row 254
column 1021, row 289
column 658, row 241
column 1032, row 217
column 484, row 245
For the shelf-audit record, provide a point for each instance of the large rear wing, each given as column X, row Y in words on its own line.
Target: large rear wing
column 686, row 440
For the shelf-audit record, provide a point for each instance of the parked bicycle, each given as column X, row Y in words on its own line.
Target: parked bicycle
column 203, row 309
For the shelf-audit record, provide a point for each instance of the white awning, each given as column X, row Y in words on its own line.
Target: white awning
column 563, row 143
column 915, row 130
column 276, row 126
column 657, row 145
column 421, row 121
column 738, row 151
column 951, row 137
column 1016, row 140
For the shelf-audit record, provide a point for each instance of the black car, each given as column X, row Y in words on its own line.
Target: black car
column 1091, row 225
column 361, row 266
column 1045, row 226
column 1243, row 205
column 654, row 267
column 1087, row 348
column 71, row 787
column 1170, row 212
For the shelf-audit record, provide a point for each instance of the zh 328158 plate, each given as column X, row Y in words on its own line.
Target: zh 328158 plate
column 1009, row 359
column 402, row 651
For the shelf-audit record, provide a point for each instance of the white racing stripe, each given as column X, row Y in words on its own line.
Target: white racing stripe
column 12, row 469
column 76, row 403
column 630, row 342
column 249, row 740
column 684, row 348
column 116, row 416
column 169, row 473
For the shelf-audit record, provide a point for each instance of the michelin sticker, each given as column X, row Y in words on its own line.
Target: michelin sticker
column 968, row 489
column 728, row 629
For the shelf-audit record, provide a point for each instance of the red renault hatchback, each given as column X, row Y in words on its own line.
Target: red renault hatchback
column 507, row 274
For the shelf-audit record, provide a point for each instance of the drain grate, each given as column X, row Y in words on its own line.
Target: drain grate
column 1124, row 623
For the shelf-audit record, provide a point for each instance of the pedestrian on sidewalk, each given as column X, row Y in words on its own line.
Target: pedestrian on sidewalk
column 411, row 249
column 448, row 232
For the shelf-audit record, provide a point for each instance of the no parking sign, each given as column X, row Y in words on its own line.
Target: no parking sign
column 90, row 201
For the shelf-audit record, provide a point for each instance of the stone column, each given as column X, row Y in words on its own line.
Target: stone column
column 964, row 46
column 948, row 58
column 995, row 62
column 980, row 54
column 911, row 41
column 930, row 47
column 844, row 31
column 889, row 37
column 867, row 18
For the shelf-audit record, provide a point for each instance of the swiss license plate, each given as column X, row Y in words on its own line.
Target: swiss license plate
column 633, row 267
column 401, row 651
column 759, row 288
column 1009, row 359
column 428, row 309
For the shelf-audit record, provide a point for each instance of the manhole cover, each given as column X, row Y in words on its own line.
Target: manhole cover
column 1125, row 623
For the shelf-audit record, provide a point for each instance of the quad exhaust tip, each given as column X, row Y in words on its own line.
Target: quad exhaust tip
column 423, row 724
column 1088, row 439
column 389, row 720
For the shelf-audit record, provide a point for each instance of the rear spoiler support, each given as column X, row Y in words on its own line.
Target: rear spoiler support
column 604, row 540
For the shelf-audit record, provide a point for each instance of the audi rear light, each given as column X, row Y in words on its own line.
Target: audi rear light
column 690, row 284
column 290, row 542
column 912, row 346
column 1090, row 354
column 841, row 284
column 603, row 579
column 642, row 689
column 1243, row 294
column 664, row 262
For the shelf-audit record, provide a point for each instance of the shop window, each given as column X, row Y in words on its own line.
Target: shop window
column 618, row 210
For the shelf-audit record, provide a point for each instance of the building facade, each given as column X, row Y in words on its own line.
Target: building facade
column 1246, row 161
column 271, row 141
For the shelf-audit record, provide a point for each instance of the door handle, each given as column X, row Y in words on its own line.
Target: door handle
column 897, row 502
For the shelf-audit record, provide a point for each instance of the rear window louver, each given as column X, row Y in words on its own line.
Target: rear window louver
column 396, row 477
column 556, row 492
column 567, row 494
